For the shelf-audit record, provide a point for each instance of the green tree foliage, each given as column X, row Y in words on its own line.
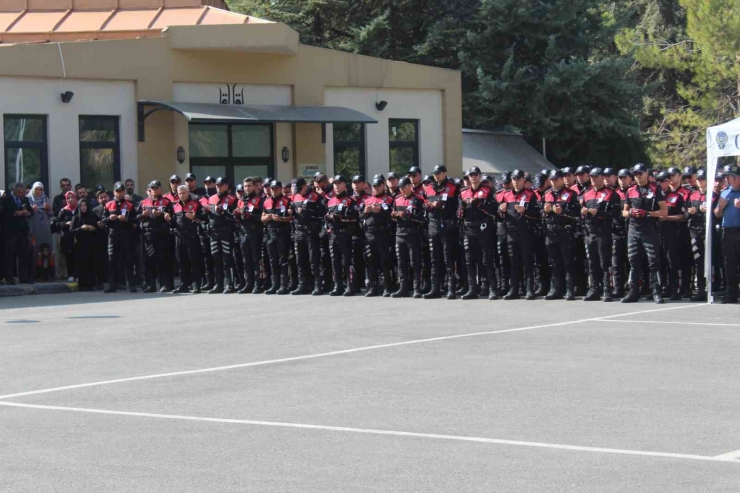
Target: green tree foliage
column 548, row 68
column 687, row 51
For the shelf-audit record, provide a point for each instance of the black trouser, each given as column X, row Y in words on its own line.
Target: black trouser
column 541, row 260
column 358, row 261
column 137, row 256
column 222, row 244
column 698, row 249
column 205, row 248
column 581, row 260
column 238, row 260
column 502, row 259
column 442, row 251
column 189, row 260
column 340, row 246
column 408, row 251
column 250, row 245
column 670, row 258
column 120, row 259
column 326, row 270
column 479, row 251
column 599, row 253
column 686, row 258
column 731, row 251
column 308, row 253
column 16, row 249
column 521, row 258
column 619, row 261
column 426, row 257
column 159, row 258
column 643, row 241
column 560, row 247
column 278, row 248
column 87, row 259
column 377, row 257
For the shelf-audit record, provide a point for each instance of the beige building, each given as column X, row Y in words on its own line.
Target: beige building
column 101, row 90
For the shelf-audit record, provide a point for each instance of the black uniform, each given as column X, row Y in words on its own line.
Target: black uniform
column 341, row 221
column 278, row 243
column 442, row 228
column 157, row 242
column 477, row 206
column 410, row 221
column 620, row 264
column 643, row 236
column 120, row 255
column 598, row 229
column 378, row 237
column 309, row 211
column 189, row 254
column 519, row 238
column 251, row 229
column 560, row 241
column 220, row 228
column 670, row 236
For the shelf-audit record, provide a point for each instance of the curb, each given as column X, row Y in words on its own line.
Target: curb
column 24, row 290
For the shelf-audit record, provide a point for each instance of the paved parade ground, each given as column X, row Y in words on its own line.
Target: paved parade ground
column 163, row 393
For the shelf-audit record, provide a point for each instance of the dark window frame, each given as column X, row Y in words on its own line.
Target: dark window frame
column 115, row 146
column 353, row 144
column 43, row 146
column 230, row 162
column 404, row 144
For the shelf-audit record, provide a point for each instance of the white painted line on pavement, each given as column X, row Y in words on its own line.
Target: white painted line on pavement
column 674, row 323
column 331, row 353
column 730, row 456
column 370, row 431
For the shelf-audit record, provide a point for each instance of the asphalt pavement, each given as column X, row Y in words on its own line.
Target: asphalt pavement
column 184, row 393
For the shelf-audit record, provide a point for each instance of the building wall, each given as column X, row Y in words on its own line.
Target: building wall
column 40, row 96
column 425, row 106
column 154, row 69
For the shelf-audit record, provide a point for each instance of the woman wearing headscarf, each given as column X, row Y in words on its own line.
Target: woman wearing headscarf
column 39, row 221
column 64, row 225
column 86, row 247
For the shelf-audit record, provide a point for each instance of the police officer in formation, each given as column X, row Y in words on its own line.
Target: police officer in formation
column 641, row 232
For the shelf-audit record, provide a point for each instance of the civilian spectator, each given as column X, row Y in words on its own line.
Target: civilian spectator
column 60, row 266
column 130, row 192
column 15, row 212
column 40, row 221
column 87, row 247
column 64, row 225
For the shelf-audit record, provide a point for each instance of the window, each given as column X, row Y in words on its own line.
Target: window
column 100, row 151
column 404, row 144
column 349, row 149
column 231, row 151
column 25, row 149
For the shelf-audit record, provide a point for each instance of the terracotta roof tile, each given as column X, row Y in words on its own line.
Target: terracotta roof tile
column 83, row 21
column 37, row 22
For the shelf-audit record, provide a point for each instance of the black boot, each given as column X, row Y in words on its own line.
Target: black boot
column 434, row 293
column 701, row 292
column 229, row 289
column 196, row 288
column 555, row 290
column 216, row 289
column 530, row 290
column 387, row 283
column 248, row 288
column 594, row 290
column 301, row 288
column 274, row 284
column 492, row 282
column 451, row 285
column 473, row 291
column 181, row 289
column 284, row 282
column 606, row 289
column 655, row 285
column 338, row 288
column 403, row 290
column 634, row 294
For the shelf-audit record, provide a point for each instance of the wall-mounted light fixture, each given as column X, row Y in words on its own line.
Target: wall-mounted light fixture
column 380, row 105
column 67, row 96
column 285, row 154
column 180, row 155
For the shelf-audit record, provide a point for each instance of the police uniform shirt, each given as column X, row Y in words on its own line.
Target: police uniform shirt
column 731, row 216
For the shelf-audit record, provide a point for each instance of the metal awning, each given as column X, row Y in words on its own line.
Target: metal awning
column 253, row 113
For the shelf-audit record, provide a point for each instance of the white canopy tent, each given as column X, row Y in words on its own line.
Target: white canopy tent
column 722, row 140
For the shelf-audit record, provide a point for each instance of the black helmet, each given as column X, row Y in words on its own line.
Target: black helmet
column 358, row 179
column 517, row 174
column 663, row 176
column 221, row 181
column 506, row 177
column 673, row 171
column 155, row 184
column 440, row 168
column 597, row 172
column 688, row 171
column 639, row 168
column 240, row 188
column 276, row 184
column 339, row 179
column 474, row 170
column 175, row 178
column 208, row 179
column 392, row 175
column 379, row 176
column 190, row 176
column 377, row 181
column 426, row 179
column 583, row 169
column 701, row 174
column 556, row 173
column 414, row 170
column 624, row 172
column 567, row 171
column 118, row 186
column 298, row 183
column 609, row 172
column 404, row 181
